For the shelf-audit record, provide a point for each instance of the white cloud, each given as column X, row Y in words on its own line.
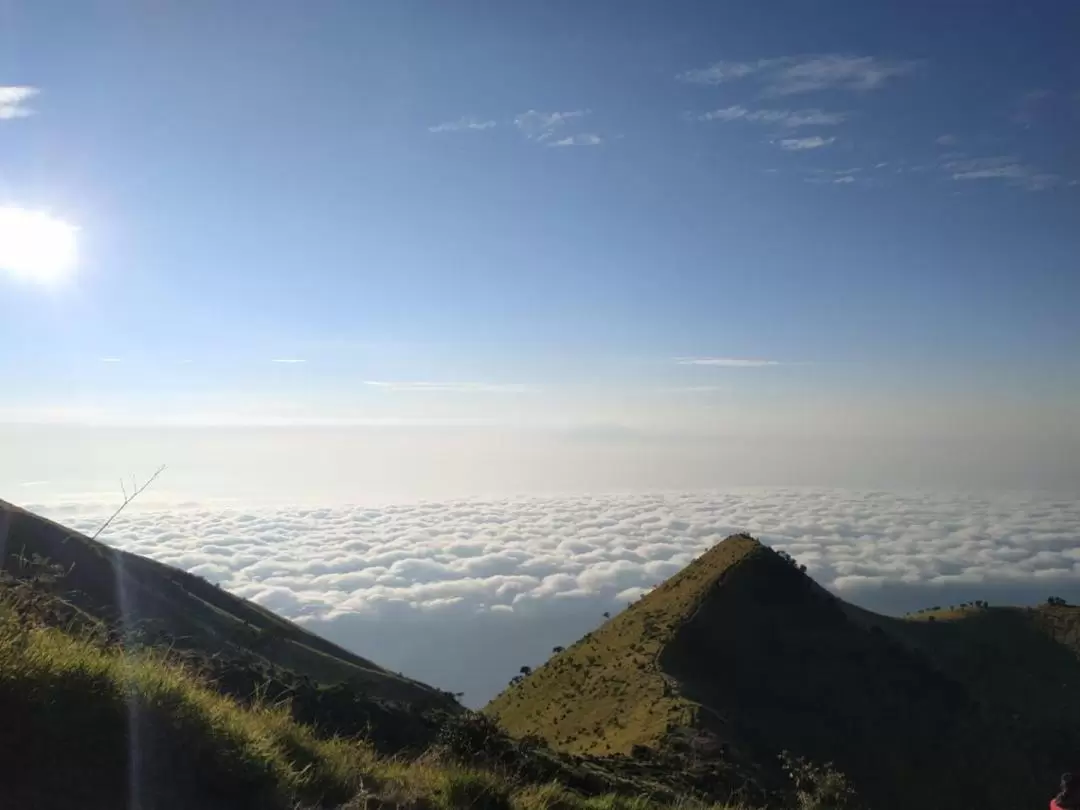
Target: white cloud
column 452, row 387
column 12, row 101
column 726, row 362
column 790, row 75
column 800, row 144
column 465, row 124
column 541, row 126
column 411, row 584
column 1006, row 169
column 110, row 360
column 946, row 140
column 288, row 360
column 785, row 118
column 582, row 139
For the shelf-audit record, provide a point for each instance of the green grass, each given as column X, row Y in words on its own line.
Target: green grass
column 93, row 726
column 109, row 724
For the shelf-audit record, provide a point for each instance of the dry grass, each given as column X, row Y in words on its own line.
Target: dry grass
column 606, row 693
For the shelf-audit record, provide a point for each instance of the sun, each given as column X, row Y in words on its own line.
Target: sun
column 35, row 246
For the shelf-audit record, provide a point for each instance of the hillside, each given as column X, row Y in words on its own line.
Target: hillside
column 93, row 725
column 126, row 683
column 741, row 656
column 241, row 645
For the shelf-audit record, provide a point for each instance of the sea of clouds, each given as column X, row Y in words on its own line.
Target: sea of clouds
column 462, row 593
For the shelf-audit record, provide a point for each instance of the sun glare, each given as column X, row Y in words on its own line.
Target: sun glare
column 36, row 247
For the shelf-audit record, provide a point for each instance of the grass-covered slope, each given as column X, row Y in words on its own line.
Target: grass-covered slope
column 89, row 727
column 91, row 724
column 125, row 683
column 609, row 692
column 161, row 603
column 742, row 656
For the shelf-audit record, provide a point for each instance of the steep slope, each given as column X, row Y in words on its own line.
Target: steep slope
column 609, row 692
column 742, row 656
column 161, row 604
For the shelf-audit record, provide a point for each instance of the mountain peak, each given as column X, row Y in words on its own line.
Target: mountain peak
column 741, row 656
column 608, row 692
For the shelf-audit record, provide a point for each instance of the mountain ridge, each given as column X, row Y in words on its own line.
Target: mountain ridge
column 155, row 601
column 768, row 661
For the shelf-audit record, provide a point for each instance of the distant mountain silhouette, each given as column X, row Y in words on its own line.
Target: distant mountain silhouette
column 741, row 656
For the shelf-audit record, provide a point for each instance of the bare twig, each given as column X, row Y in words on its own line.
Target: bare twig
column 135, row 492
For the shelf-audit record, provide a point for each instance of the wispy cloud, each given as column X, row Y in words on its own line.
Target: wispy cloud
column 946, row 140
column 451, row 387
column 541, row 126
column 726, row 362
column 109, row 360
column 465, row 124
column 840, row 177
column 1032, row 106
column 804, row 74
column 785, row 118
column 800, row 144
column 582, row 139
column 12, row 102
column 838, row 71
column 1006, row 169
column 720, row 72
column 288, row 360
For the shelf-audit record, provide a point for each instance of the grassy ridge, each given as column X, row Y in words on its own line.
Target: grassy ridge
column 741, row 656
column 169, row 606
column 608, row 693
column 91, row 725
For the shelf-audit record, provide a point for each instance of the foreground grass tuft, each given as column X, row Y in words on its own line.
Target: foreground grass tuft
column 119, row 727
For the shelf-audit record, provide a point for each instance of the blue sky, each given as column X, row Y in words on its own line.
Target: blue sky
column 588, row 214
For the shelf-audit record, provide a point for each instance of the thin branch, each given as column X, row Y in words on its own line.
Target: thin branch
column 135, row 492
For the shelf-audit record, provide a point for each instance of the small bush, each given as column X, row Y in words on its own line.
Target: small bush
column 817, row 787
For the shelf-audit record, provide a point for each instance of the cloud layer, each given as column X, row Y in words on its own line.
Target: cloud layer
column 462, row 593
